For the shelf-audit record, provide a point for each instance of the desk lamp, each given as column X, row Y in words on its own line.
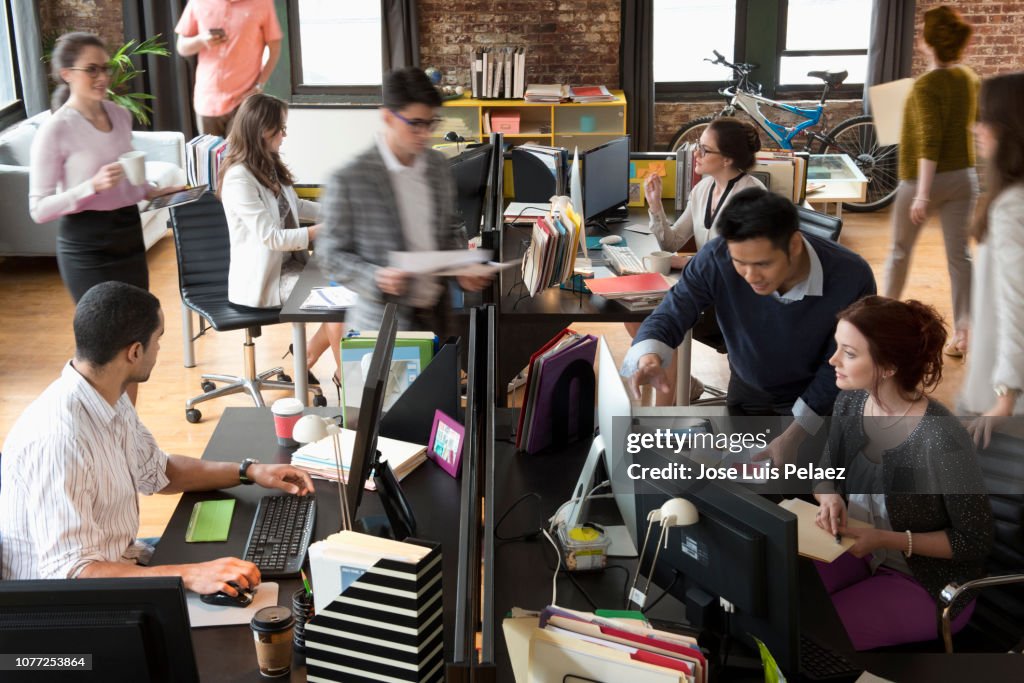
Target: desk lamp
column 673, row 513
column 312, row 428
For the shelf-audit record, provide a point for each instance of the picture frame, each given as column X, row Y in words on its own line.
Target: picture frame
column 446, row 441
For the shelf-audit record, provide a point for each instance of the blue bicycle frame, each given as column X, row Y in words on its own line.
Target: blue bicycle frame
column 782, row 135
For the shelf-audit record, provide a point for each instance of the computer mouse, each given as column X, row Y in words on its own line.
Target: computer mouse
column 611, row 239
column 222, row 599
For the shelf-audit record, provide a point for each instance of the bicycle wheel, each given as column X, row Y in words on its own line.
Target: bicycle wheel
column 690, row 132
column 856, row 138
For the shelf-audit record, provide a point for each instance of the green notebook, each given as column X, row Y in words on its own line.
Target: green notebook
column 210, row 521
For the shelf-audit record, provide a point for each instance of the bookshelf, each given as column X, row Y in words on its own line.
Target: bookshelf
column 567, row 124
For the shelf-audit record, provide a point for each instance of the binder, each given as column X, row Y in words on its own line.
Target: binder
column 543, row 398
column 385, row 625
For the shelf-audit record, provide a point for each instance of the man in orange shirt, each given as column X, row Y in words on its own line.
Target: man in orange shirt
column 229, row 37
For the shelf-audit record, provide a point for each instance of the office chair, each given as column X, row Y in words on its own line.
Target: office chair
column 203, row 250
column 1000, row 594
column 812, row 223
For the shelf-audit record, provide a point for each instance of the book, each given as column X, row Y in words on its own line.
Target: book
column 813, row 541
column 629, row 285
column 590, row 93
column 318, row 458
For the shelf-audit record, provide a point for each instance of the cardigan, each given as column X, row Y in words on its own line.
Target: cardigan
column 932, row 481
column 997, row 306
column 691, row 223
column 362, row 225
column 258, row 240
column 937, row 121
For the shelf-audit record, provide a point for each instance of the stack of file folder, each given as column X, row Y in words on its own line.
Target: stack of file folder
column 318, row 458
column 553, row 92
column 590, row 93
column 546, row 368
column 636, row 292
column 551, row 257
column 570, row 646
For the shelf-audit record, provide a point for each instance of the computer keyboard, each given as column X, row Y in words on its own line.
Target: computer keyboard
column 623, row 261
column 820, row 664
column 280, row 534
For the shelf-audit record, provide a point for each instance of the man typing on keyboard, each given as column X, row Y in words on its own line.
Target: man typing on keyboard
column 76, row 459
column 776, row 294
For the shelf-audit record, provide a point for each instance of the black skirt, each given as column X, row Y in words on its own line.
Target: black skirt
column 97, row 246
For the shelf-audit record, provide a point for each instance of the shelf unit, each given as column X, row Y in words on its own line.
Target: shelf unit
column 553, row 124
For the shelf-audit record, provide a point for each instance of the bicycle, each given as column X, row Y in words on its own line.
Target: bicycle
column 854, row 137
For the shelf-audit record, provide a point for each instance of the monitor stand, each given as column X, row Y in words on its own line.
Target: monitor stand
column 398, row 522
column 622, row 544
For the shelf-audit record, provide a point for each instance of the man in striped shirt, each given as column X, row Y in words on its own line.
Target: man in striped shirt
column 77, row 458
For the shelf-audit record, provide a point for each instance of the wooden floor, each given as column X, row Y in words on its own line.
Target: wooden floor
column 36, row 340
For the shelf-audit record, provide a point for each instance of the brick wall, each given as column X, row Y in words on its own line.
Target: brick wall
column 997, row 45
column 102, row 17
column 567, row 41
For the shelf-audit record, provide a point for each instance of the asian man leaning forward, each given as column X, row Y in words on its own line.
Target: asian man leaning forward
column 77, row 458
column 776, row 294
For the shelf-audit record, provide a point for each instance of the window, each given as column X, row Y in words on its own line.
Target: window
column 336, row 46
column 824, row 35
column 686, row 32
column 8, row 76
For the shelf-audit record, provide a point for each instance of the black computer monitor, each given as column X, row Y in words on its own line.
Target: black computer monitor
column 471, row 170
column 605, row 179
column 399, row 522
column 742, row 549
column 135, row 630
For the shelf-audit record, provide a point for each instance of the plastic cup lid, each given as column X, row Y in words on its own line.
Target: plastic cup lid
column 287, row 406
column 272, row 619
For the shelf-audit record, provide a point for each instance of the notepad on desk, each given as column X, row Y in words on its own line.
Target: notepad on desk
column 318, row 458
column 338, row 297
column 813, row 541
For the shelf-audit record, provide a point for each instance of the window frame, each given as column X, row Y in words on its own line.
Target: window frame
column 765, row 48
column 805, row 90
column 15, row 111
column 300, row 91
column 682, row 91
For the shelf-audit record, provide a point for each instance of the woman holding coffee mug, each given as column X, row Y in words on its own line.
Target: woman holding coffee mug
column 76, row 176
column 723, row 156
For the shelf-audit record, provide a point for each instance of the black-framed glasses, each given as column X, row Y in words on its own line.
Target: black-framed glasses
column 419, row 125
column 94, row 70
column 705, row 151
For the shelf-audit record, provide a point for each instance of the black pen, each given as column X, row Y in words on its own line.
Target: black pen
column 839, row 538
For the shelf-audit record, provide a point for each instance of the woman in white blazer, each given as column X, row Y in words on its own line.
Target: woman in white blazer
column 269, row 249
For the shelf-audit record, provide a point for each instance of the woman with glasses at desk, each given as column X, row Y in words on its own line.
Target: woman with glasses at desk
column 268, row 248
column 723, row 156
column 911, row 475
column 75, row 175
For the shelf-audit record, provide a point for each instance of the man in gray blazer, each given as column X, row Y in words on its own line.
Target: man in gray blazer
column 398, row 195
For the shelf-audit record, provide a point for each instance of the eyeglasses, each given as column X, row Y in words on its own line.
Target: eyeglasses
column 94, row 70
column 419, row 125
column 705, row 151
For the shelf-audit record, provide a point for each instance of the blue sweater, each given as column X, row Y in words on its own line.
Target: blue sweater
column 781, row 348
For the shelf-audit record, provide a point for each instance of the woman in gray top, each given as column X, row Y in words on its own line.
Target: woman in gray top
column 910, row 473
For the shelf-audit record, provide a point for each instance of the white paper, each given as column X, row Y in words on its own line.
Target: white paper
column 338, row 297
column 478, row 269
column 200, row 614
column 433, row 262
column 887, row 103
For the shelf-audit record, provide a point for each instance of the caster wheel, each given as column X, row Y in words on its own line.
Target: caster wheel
column 193, row 415
column 282, row 377
column 207, row 386
column 320, row 401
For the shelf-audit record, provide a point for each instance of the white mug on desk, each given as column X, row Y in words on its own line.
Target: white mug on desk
column 658, row 262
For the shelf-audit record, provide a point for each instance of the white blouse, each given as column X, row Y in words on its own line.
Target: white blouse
column 691, row 223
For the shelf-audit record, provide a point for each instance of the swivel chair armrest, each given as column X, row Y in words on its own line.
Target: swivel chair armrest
column 952, row 591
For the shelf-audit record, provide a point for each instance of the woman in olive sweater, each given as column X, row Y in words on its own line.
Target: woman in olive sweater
column 910, row 472
column 937, row 163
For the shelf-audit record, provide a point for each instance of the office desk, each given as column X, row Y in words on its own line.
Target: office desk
column 523, row 571
column 526, row 323
column 227, row 653
column 292, row 312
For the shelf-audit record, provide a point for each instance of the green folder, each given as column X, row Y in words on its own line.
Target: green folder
column 417, row 352
column 210, row 521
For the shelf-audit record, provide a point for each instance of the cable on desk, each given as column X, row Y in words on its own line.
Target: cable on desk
column 529, row 535
column 625, row 585
column 675, row 578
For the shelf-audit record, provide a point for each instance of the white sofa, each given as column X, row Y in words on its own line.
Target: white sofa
column 21, row 236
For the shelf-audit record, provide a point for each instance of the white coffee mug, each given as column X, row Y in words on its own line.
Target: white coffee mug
column 658, row 262
column 134, row 165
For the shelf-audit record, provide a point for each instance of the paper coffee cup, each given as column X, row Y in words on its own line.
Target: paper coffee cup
column 287, row 412
column 134, row 165
column 272, row 634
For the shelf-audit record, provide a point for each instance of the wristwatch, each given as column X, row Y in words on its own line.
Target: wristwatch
column 1003, row 390
column 243, row 467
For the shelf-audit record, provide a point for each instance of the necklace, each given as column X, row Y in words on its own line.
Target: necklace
column 894, row 422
